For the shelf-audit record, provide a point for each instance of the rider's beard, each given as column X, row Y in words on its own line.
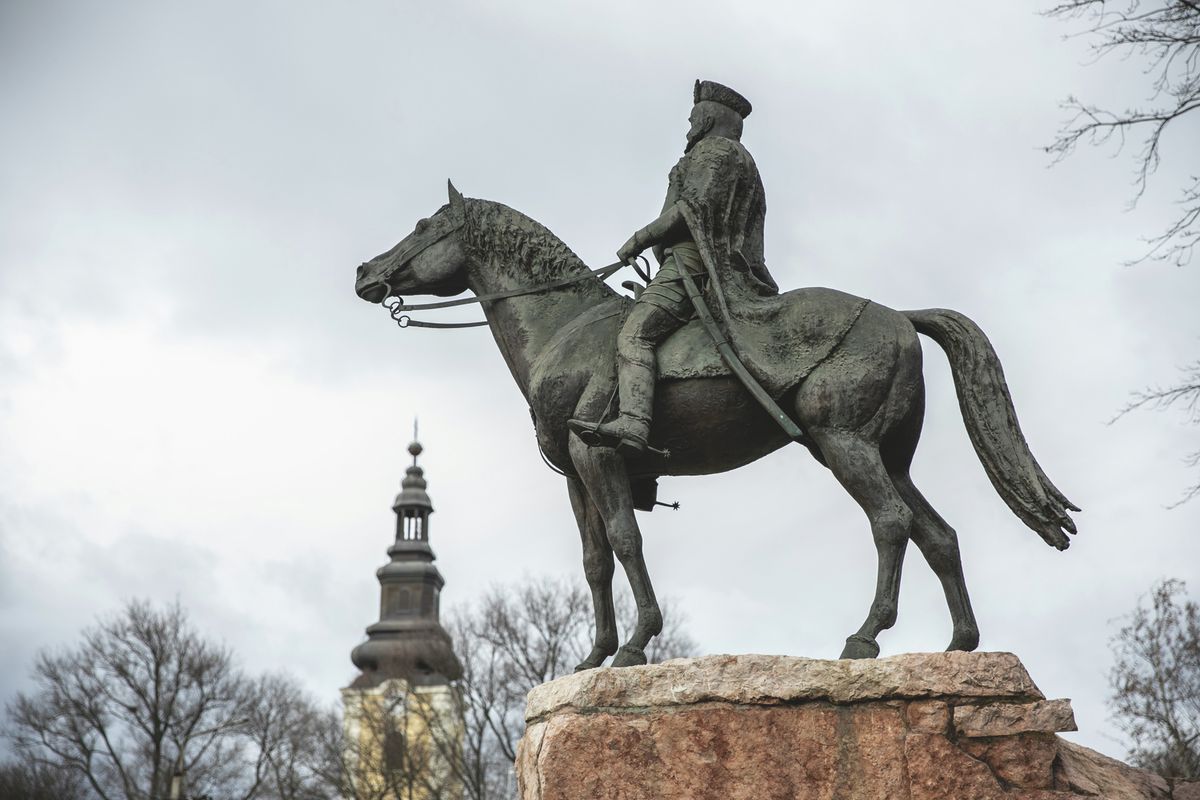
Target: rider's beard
column 692, row 140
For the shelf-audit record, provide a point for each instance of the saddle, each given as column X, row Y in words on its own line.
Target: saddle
column 780, row 339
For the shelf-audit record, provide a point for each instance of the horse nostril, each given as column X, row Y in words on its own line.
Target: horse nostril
column 373, row 294
column 361, row 269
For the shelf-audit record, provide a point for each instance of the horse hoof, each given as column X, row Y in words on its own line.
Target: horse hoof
column 629, row 656
column 966, row 641
column 860, row 647
column 596, row 657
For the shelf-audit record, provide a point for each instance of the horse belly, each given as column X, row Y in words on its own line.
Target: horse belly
column 709, row 425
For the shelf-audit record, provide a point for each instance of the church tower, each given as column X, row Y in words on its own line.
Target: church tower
column 403, row 718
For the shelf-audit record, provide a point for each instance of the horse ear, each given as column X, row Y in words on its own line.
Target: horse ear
column 456, row 198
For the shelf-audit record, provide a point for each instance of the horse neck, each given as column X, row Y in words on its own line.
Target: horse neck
column 519, row 253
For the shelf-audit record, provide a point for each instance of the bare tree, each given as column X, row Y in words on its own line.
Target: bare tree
column 1155, row 682
column 485, row 761
column 1164, row 36
column 25, row 780
column 284, row 730
column 144, row 699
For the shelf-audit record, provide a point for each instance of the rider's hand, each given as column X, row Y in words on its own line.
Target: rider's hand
column 630, row 250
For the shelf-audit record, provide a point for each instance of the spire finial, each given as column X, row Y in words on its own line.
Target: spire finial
column 414, row 447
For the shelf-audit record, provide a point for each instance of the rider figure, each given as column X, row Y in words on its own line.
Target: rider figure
column 712, row 226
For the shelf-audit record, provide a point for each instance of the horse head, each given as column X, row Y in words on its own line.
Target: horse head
column 430, row 260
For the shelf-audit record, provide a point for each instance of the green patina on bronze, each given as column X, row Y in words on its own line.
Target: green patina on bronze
column 647, row 379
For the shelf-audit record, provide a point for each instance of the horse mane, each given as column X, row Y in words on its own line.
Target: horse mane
column 516, row 243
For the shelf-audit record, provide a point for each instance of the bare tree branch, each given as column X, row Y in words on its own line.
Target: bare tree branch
column 1165, row 36
column 1185, row 395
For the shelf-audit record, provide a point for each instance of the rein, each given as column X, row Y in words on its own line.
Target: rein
column 396, row 306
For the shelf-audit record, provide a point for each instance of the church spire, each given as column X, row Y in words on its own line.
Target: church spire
column 408, row 641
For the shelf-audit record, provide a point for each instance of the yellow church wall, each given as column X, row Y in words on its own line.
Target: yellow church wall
column 403, row 742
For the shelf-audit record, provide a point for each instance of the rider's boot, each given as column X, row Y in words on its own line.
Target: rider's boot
column 629, row 433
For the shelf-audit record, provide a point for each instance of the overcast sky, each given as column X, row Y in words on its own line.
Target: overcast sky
column 195, row 405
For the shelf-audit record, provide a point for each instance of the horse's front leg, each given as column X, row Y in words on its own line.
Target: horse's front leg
column 598, row 567
column 606, row 482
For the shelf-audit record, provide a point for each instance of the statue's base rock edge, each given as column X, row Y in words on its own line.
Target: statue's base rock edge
column 922, row 726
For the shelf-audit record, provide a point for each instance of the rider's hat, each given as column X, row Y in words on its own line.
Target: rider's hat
column 709, row 90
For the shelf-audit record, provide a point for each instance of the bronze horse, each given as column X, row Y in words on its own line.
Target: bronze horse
column 861, row 406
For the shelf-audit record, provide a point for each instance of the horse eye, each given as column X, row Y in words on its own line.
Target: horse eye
column 422, row 225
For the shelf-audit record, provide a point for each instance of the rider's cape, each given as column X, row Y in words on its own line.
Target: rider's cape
column 718, row 187
column 721, row 196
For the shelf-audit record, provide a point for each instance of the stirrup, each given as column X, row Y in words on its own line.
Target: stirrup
column 591, row 435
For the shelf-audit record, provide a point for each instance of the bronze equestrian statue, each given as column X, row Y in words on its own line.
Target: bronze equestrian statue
column 845, row 374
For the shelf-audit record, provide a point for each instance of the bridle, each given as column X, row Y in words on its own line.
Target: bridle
column 396, row 305
column 397, row 308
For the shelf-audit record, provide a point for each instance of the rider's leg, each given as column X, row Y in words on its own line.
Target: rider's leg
column 659, row 311
column 644, row 330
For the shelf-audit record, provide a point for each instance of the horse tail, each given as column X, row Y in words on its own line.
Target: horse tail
column 991, row 420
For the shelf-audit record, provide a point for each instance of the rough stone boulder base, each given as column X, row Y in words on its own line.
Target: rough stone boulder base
column 939, row 726
column 774, row 680
column 1186, row 790
column 1006, row 719
column 1017, row 760
column 723, row 752
column 1090, row 773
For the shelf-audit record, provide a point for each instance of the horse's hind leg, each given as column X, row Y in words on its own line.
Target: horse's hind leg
column 607, row 484
column 939, row 544
column 937, row 540
column 858, row 466
column 598, row 567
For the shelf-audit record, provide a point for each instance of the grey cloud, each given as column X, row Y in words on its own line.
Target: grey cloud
column 222, row 168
